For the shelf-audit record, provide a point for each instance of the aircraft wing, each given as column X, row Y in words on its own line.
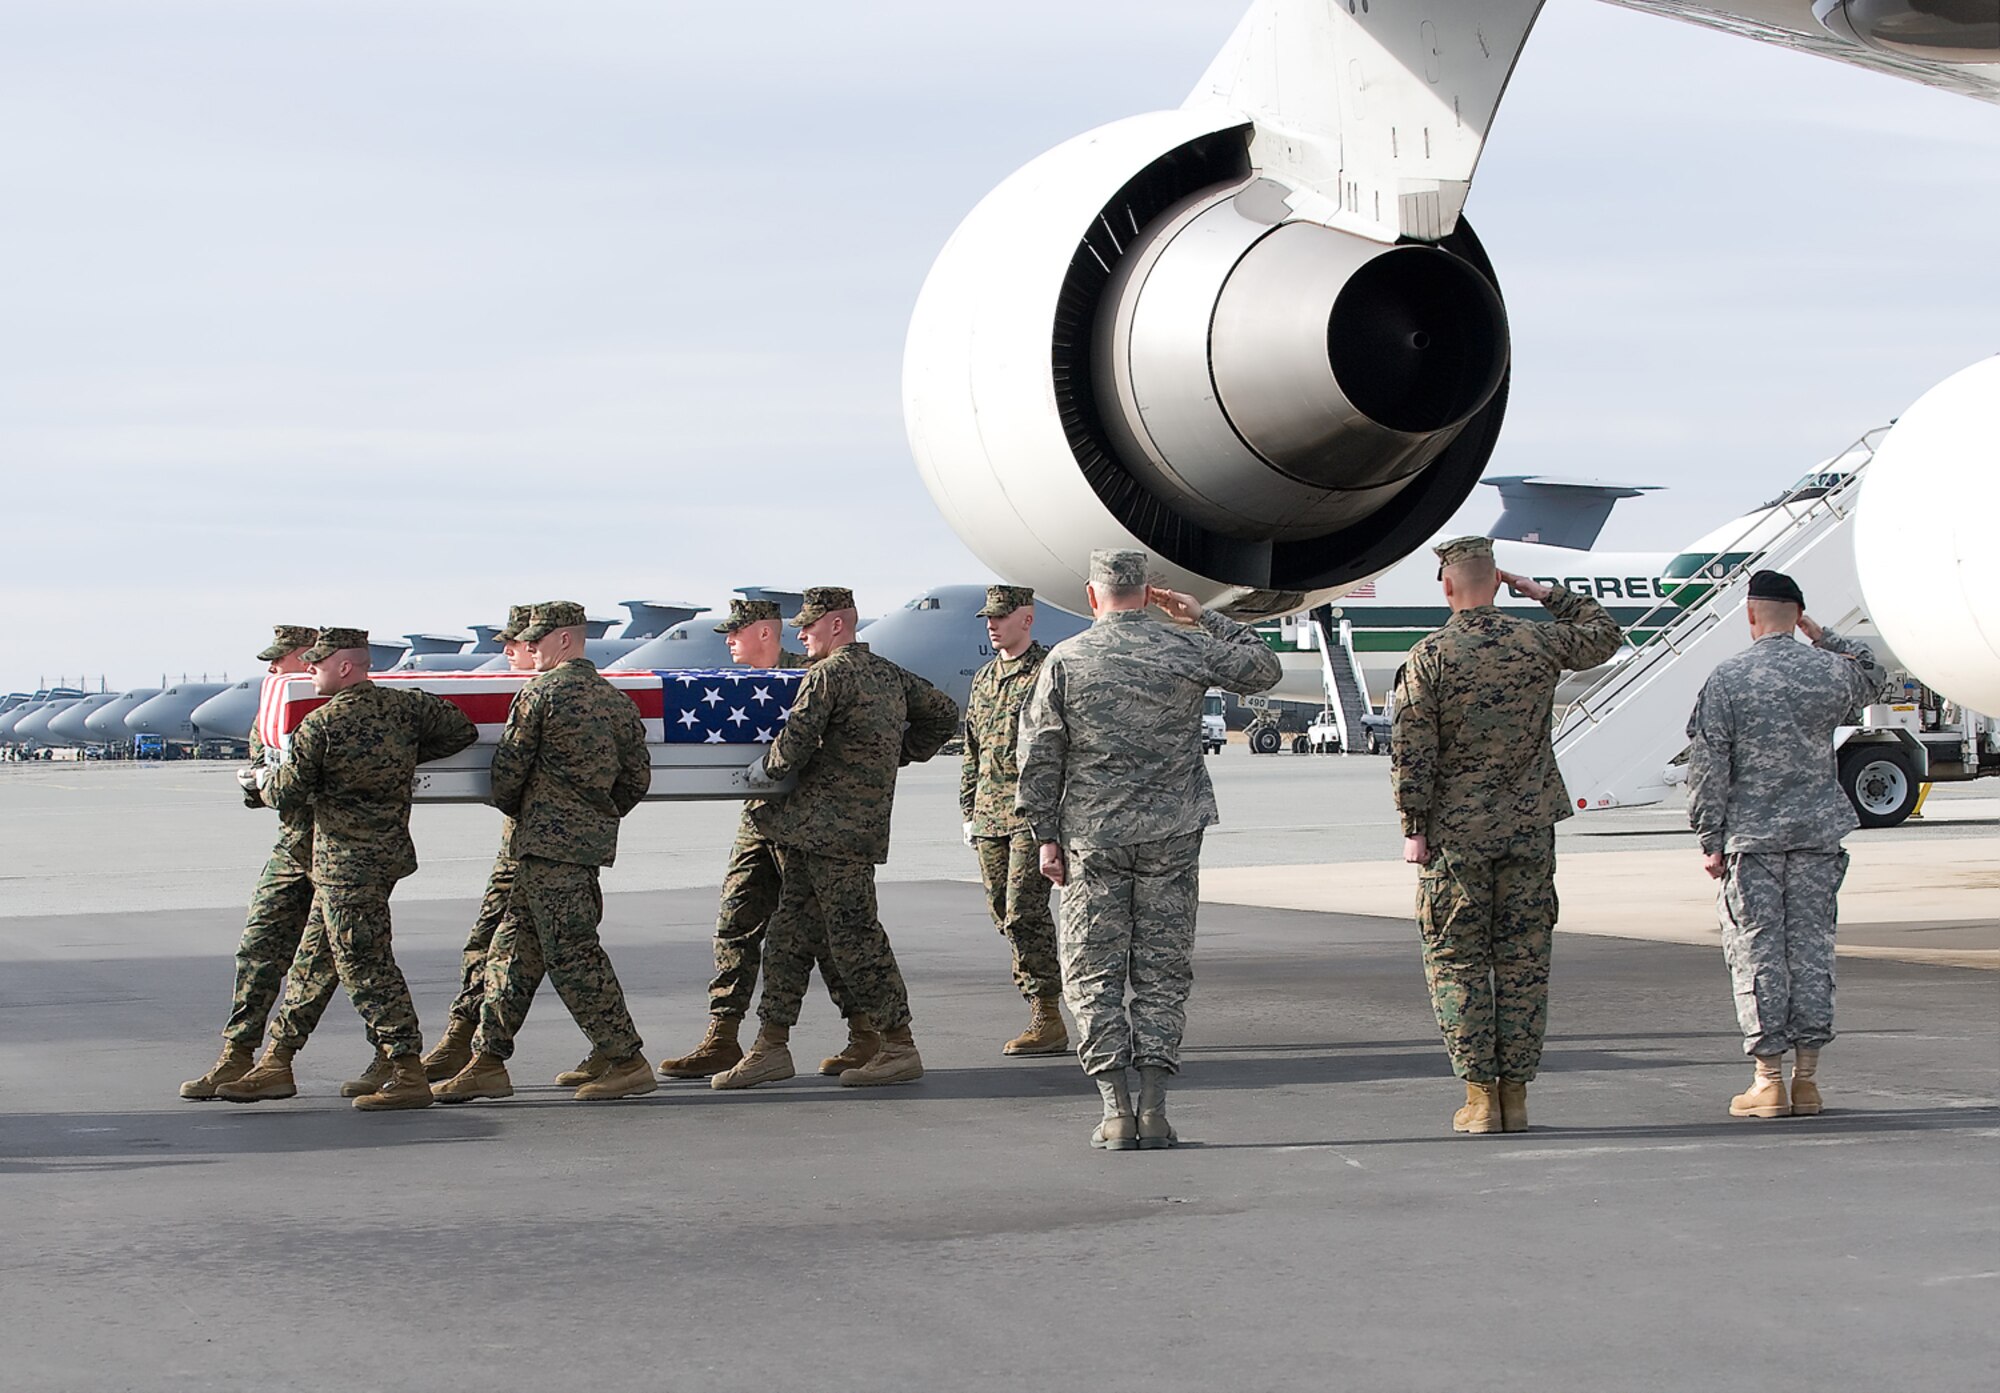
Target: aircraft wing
column 1953, row 45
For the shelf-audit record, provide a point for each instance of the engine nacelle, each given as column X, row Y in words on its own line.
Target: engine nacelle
column 1923, row 539
column 1138, row 341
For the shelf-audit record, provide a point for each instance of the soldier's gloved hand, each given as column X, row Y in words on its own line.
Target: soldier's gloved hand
column 968, row 834
column 756, row 777
column 246, row 778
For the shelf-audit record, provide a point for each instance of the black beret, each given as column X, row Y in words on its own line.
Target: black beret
column 1776, row 585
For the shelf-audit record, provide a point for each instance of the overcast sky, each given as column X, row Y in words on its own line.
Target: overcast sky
column 390, row 312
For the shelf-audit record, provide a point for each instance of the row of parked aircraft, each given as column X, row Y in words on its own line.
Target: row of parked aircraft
column 1547, row 529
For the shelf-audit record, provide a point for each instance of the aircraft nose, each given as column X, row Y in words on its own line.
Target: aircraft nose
column 228, row 715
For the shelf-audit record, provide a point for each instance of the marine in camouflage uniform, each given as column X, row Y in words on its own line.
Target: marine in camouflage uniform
column 1112, row 773
column 1475, row 776
column 352, row 764
column 855, row 720
column 454, row 1050
column 570, row 764
column 750, row 889
column 1017, row 893
column 281, row 904
column 1763, row 798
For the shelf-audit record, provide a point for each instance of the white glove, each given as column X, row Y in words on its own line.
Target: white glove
column 756, row 777
column 968, row 834
column 246, row 778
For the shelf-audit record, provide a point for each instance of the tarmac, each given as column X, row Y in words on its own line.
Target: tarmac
column 1320, row 1227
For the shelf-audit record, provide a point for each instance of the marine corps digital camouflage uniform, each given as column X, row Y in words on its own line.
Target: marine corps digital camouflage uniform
column 1762, row 792
column 1474, row 772
column 1111, row 768
column 353, row 762
column 856, row 718
column 571, row 762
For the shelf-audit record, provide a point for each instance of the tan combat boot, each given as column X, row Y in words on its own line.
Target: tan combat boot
column 1154, row 1132
column 864, row 1042
column 484, row 1076
column 896, row 1062
column 236, row 1061
column 373, row 1077
column 1119, row 1129
column 1045, row 1033
column 406, row 1087
column 1766, row 1094
column 717, row 1052
column 588, row 1070
column 622, row 1078
column 1481, row 1113
column 769, row 1060
column 1513, row 1106
column 1806, row 1101
column 271, row 1079
column 452, row 1052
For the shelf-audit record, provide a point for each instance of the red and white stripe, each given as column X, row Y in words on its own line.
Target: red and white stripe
column 485, row 698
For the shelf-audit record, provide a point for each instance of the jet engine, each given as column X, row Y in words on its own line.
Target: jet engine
column 1930, row 573
column 1140, row 340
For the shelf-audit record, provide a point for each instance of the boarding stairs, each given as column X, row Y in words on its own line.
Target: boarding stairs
column 1617, row 743
column 1340, row 672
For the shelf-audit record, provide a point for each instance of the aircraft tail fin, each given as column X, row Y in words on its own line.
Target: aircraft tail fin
column 1554, row 511
column 651, row 618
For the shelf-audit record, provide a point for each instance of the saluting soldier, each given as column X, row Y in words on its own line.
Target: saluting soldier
column 453, row 1050
column 1017, row 893
column 754, row 631
column 571, row 763
column 1116, row 794
column 1479, row 794
column 1763, row 797
column 857, row 717
column 282, row 900
column 352, row 764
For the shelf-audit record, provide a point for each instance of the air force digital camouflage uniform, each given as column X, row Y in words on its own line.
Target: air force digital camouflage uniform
column 1762, row 792
column 571, row 762
column 1474, row 772
column 1111, row 769
column 352, row 763
column 857, row 718
column 1017, row 894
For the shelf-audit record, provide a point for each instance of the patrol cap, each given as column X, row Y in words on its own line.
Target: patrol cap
column 746, row 612
column 822, row 600
column 1117, row 567
column 546, row 618
column 1003, row 600
column 517, row 620
column 331, row 641
column 1776, row 585
column 1463, row 549
column 285, row 638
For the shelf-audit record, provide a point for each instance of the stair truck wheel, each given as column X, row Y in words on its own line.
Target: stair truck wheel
column 1301, row 745
column 1881, row 782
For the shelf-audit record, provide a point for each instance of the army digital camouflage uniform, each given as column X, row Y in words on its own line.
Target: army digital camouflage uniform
column 1474, row 772
column 750, row 887
column 856, row 719
column 571, row 762
column 352, row 763
column 1762, row 792
column 1111, row 768
column 1017, row 893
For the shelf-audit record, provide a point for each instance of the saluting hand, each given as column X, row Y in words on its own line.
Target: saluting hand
column 1810, row 627
column 1182, row 609
column 1526, row 586
column 1053, row 867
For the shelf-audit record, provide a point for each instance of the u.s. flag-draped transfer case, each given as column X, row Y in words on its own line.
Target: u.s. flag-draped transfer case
column 697, row 720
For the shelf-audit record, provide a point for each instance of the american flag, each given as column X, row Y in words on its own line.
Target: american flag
column 688, row 706
column 1363, row 591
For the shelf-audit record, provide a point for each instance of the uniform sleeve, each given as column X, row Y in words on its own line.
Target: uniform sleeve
column 805, row 727
column 1583, row 635
column 294, row 782
column 933, row 719
column 514, row 756
column 1239, row 660
column 1042, row 755
column 1413, row 745
column 968, row 768
column 1864, row 672
column 1711, row 733
column 442, row 729
column 251, row 798
column 635, row 765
